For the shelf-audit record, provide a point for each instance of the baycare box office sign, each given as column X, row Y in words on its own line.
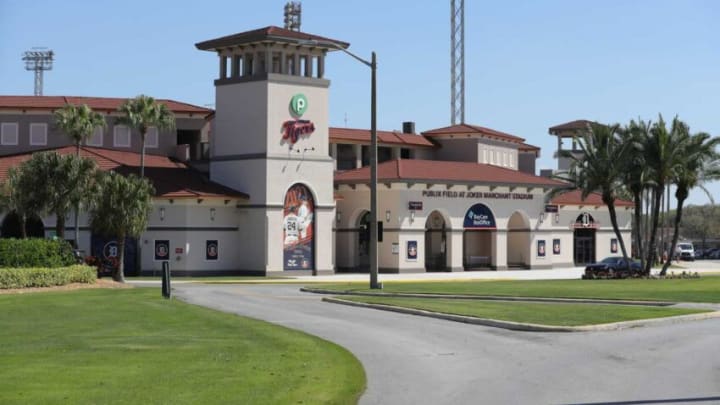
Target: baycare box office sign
column 298, row 229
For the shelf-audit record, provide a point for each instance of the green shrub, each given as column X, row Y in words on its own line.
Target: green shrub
column 35, row 252
column 46, row 277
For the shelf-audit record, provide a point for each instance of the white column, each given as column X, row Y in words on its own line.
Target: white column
column 499, row 246
column 454, row 247
column 333, row 154
column 358, row 156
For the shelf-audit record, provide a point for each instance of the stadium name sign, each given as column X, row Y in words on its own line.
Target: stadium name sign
column 478, row 194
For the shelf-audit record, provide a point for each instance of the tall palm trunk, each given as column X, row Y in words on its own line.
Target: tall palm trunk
column 637, row 198
column 77, row 208
column 60, row 225
column 142, row 154
column 655, row 217
column 23, row 225
column 681, row 194
column 613, row 220
column 119, row 273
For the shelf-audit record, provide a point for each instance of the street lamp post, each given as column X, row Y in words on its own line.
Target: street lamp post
column 372, row 64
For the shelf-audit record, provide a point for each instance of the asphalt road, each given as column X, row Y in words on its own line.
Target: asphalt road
column 418, row 360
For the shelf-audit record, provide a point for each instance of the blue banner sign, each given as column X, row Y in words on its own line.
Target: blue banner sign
column 479, row 216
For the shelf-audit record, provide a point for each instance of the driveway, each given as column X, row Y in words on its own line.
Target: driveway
column 417, row 360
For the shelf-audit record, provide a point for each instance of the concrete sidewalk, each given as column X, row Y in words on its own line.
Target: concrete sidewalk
column 702, row 267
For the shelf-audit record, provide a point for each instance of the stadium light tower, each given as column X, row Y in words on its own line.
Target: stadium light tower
column 38, row 60
column 293, row 11
column 457, row 62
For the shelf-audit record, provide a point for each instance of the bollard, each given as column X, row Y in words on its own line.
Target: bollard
column 166, row 279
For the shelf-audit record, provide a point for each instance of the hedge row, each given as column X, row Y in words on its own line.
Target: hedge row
column 45, row 277
column 35, row 252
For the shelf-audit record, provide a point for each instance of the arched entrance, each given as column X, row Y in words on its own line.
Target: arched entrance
column 584, row 239
column 518, row 241
column 363, row 242
column 435, row 243
column 478, row 237
column 299, row 229
column 34, row 227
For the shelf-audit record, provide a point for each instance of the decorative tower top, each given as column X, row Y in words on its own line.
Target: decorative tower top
column 261, row 53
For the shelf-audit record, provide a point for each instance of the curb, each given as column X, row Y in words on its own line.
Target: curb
column 528, row 327
column 492, row 298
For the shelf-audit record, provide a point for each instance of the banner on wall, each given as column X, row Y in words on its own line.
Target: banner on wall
column 556, row 246
column 298, row 229
column 613, row 245
column 541, row 248
column 211, row 250
column 162, row 250
column 479, row 216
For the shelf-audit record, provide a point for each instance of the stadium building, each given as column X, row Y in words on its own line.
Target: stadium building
column 263, row 185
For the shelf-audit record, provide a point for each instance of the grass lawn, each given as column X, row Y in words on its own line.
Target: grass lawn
column 705, row 289
column 538, row 313
column 131, row 346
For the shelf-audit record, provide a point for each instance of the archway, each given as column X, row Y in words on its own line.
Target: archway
column 435, row 243
column 478, row 237
column 518, row 241
column 299, row 229
column 584, row 239
column 34, row 227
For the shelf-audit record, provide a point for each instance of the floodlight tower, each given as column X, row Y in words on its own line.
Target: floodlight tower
column 38, row 60
column 293, row 9
column 457, row 61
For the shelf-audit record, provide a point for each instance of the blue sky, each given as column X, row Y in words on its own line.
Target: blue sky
column 529, row 64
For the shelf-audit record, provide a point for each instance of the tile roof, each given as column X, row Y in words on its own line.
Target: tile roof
column 466, row 129
column 269, row 33
column 362, row 136
column 444, row 171
column 171, row 179
column 96, row 103
column 575, row 198
column 572, row 126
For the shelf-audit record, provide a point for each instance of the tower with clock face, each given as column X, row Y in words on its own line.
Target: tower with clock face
column 270, row 140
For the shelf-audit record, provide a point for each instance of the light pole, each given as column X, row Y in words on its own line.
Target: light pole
column 372, row 64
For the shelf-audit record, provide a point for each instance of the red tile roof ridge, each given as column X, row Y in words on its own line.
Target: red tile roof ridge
column 449, row 171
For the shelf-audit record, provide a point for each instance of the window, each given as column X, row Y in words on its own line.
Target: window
column 151, row 138
column 97, row 137
column 121, row 136
column 9, row 133
column 38, row 134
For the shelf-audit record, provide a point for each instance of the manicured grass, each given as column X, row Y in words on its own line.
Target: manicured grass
column 130, row 346
column 538, row 313
column 705, row 289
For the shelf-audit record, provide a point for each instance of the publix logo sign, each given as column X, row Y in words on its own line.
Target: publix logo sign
column 293, row 129
column 298, row 105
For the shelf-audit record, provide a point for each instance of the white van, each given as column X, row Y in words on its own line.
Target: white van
column 685, row 251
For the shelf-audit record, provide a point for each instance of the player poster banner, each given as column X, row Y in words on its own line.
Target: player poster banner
column 211, row 250
column 298, row 229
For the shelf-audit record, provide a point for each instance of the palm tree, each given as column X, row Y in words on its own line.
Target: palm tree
column 61, row 182
column 663, row 154
column 636, row 175
column 596, row 169
column 142, row 113
column 18, row 194
column 78, row 123
column 121, row 210
column 699, row 163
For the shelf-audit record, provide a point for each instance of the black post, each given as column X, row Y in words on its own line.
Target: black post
column 166, row 279
column 373, row 179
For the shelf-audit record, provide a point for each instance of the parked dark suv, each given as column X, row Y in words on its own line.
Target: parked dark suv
column 613, row 267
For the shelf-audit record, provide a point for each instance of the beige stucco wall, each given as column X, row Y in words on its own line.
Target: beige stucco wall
column 515, row 246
